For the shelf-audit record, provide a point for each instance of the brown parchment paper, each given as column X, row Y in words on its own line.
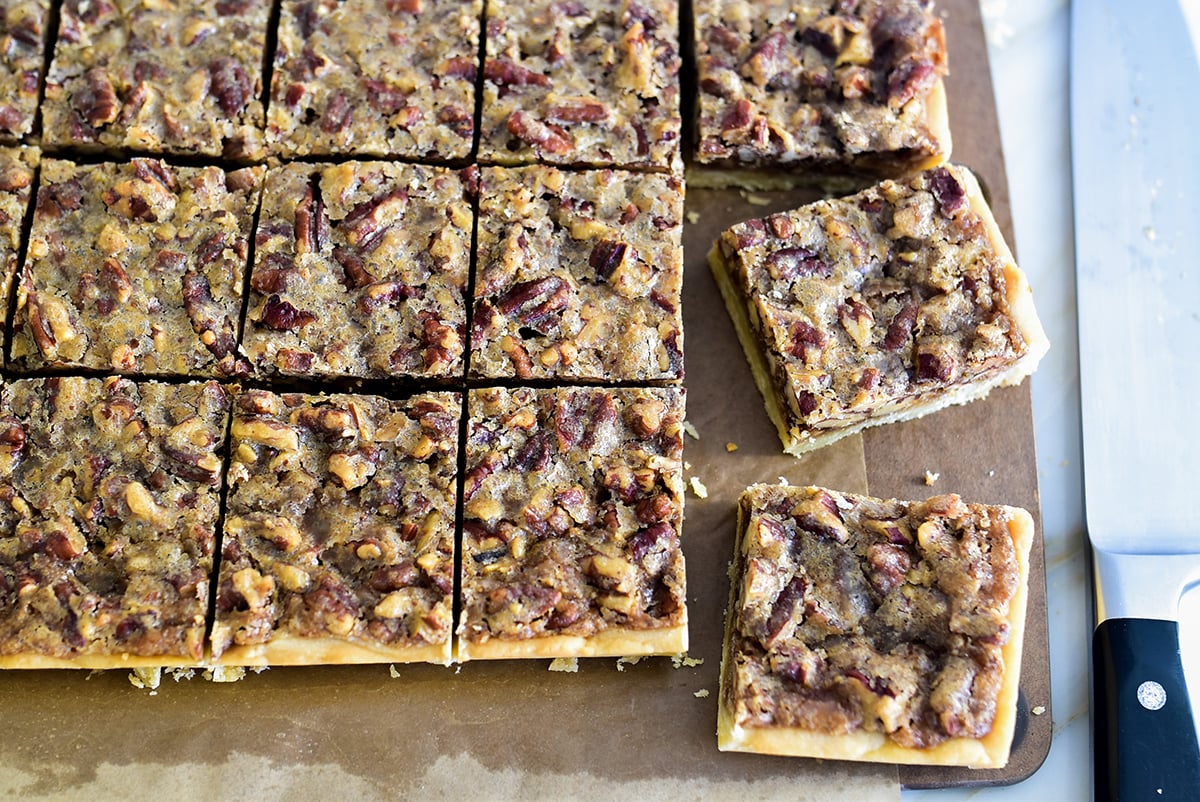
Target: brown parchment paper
column 516, row 730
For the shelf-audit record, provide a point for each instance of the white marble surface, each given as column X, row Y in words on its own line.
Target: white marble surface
column 1028, row 45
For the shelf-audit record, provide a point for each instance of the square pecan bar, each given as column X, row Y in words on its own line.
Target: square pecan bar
column 585, row 82
column 136, row 268
column 22, row 53
column 796, row 88
column 882, row 306
column 182, row 78
column 864, row 629
column 361, row 270
column 375, row 77
column 17, row 166
column 108, row 516
column 578, row 276
column 572, row 512
column 338, row 544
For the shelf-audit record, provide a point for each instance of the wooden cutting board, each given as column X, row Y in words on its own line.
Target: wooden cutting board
column 514, row 729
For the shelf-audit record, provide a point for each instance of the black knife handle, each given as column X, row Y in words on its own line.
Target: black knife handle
column 1143, row 736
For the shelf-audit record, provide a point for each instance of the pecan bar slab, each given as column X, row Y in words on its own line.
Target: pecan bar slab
column 22, row 51
column 17, row 167
column 878, row 307
column 108, row 514
column 579, row 276
column 863, row 629
column 361, row 270
column 182, row 77
column 339, row 537
column 377, row 77
column 587, row 82
column 573, row 503
column 136, row 268
column 794, row 85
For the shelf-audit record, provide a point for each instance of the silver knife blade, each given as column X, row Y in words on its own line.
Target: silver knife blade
column 1135, row 119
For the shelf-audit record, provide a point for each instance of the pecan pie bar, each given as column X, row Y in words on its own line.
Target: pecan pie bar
column 182, row 77
column 136, row 268
column 573, row 503
column 108, row 514
column 360, row 270
column 878, row 307
column 794, row 86
column 864, row 629
column 17, row 167
column 377, row 77
column 22, row 50
column 579, row 276
column 338, row 544
column 586, row 82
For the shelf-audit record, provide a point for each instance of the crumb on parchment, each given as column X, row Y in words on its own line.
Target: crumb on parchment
column 698, row 487
column 690, row 430
column 683, row 661
column 701, row 694
column 931, row 478
column 1039, row 710
column 567, row 665
column 731, row 447
column 693, row 216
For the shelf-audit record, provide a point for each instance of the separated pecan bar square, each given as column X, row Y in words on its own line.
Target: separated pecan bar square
column 136, row 268
column 17, row 166
column 375, row 77
column 578, row 276
column 572, row 512
column 22, row 53
column 585, row 82
column 795, row 87
column 360, row 270
column 182, row 77
column 338, row 545
column 108, row 515
column 877, row 307
column 865, row 629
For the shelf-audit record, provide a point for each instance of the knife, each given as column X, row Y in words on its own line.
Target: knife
column 1135, row 140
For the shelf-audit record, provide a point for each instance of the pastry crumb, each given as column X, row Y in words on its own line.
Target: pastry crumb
column 1039, row 710
column 224, row 673
column 627, row 661
column 783, row 481
column 393, row 671
column 693, row 216
column 701, row 694
column 731, row 447
column 698, row 487
column 146, row 678
column 683, row 661
column 931, row 478
column 567, row 665
column 690, row 430
column 991, row 473
column 755, row 199
column 180, row 674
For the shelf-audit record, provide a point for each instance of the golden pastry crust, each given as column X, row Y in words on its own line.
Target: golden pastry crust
column 22, row 52
column 339, row 537
column 182, row 78
column 136, row 268
column 360, row 270
column 375, row 77
column 791, row 91
column 582, row 82
column 572, row 511
column 882, row 306
column 579, row 276
column 108, row 509
column 864, row 629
